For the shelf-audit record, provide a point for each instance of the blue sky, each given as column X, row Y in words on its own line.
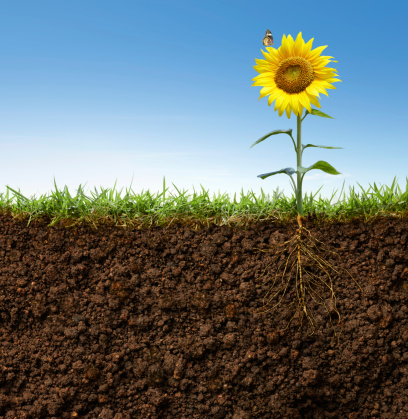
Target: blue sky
column 96, row 91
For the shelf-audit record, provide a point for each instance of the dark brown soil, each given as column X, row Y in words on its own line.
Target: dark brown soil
column 165, row 323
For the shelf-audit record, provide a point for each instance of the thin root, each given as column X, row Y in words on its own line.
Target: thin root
column 306, row 283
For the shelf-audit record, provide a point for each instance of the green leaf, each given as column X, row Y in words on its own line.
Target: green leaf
column 288, row 170
column 321, row 165
column 318, row 113
column 17, row 193
column 278, row 131
column 320, row 146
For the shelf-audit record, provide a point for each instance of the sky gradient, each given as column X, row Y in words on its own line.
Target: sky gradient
column 96, row 91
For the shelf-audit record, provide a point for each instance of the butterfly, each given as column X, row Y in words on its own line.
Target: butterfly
column 268, row 39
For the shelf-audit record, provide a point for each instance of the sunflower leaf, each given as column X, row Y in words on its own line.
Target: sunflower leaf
column 321, row 165
column 288, row 170
column 318, row 113
column 278, row 131
column 320, row 146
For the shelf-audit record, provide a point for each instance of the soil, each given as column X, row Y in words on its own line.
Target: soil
column 164, row 322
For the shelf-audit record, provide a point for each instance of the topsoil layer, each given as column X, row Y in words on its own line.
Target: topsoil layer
column 165, row 323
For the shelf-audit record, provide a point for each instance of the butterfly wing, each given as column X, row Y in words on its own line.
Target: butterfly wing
column 268, row 38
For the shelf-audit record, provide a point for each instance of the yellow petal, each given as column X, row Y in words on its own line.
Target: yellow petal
column 283, row 52
column 261, row 67
column 311, row 90
column 274, row 54
column 285, row 103
column 265, row 91
column 299, row 43
column 267, row 56
column 314, row 101
column 325, row 72
column 290, row 44
column 307, row 48
column 265, row 78
column 294, row 104
column 325, row 85
column 304, row 100
column 284, row 48
column 315, row 53
column 320, row 63
column 260, row 62
column 318, row 86
column 278, row 102
column 273, row 96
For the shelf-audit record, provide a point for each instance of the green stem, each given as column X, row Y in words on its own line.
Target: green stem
column 299, row 163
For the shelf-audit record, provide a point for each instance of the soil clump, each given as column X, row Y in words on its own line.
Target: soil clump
column 163, row 323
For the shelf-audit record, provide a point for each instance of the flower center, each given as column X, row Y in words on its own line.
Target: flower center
column 294, row 74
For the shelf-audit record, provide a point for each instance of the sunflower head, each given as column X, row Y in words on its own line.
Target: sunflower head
column 294, row 75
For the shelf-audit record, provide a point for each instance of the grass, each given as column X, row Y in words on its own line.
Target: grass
column 144, row 210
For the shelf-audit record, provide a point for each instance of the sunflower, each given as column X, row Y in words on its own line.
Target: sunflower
column 293, row 75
